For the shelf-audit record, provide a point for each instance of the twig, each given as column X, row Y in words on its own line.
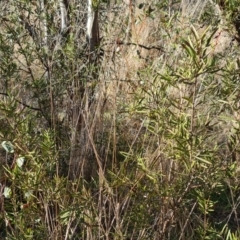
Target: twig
column 142, row 46
column 24, row 104
column 119, row 42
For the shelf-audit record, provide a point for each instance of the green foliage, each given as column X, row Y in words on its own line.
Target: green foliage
column 159, row 163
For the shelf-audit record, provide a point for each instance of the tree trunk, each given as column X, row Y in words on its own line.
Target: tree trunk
column 64, row 15
column 92, row 30
column 82, row 159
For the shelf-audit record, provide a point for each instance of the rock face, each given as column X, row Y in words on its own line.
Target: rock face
column 148, row 25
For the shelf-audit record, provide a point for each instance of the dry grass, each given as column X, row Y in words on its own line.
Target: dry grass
column 146, row 151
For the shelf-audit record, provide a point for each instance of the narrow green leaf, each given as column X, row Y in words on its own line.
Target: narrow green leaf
column 194, row 31
column 203, row 160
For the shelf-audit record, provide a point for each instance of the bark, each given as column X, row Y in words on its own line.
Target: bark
column 83, row 157
column 92, row 30
column 44, row 24
column 64, row 15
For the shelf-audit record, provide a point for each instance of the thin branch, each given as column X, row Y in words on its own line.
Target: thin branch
column 24, row 104
column 119, row 42
column 143, row 46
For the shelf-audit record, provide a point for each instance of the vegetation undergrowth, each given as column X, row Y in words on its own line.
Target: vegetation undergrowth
column 138, row 145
